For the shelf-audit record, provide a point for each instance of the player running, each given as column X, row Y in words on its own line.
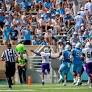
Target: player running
column 77, row 64
column 66, row 63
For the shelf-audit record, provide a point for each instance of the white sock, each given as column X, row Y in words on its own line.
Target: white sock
column 88, row 81
column 64, row 81
column 61, row 76
column 42, row 80
column 78, row 80
column 74, row 80
column 90, row 85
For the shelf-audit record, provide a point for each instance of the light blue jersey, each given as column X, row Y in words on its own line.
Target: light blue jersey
column 66, row 55
column 77, row 53
column 82, row 13
column 65, row 66
column 2, row 18
column 48, row 5
column 77, row 62
column 6, row 33
column 78, row 21
column 60, row 11
column 38, row 1
column 27, row 34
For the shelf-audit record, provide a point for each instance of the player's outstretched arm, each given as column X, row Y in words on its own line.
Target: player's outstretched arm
column 37, row 53
column 83, row 57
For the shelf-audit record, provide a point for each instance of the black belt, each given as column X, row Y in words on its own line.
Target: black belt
column 9, row 62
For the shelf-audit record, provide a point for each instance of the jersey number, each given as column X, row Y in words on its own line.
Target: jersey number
column 78, row 53
column 89, row 54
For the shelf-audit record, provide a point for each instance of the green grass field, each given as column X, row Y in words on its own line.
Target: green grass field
column 45, row 88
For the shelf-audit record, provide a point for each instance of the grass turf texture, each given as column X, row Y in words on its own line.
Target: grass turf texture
column 45, row 88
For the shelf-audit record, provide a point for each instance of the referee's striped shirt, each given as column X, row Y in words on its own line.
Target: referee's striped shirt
column 9, row 55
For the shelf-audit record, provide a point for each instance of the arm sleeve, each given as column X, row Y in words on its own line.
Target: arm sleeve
column 37, row 53
column 15, row 54
column 83, row 53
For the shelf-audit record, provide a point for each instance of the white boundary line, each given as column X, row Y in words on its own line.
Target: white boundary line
column 66, row 88
column 47, row 86
column 25, row 90
column 57, row 87
column 30, row 90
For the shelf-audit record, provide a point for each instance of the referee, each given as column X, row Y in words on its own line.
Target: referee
column 9, row 56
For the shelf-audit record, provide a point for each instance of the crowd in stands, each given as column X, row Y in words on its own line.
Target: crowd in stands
column 44, row 22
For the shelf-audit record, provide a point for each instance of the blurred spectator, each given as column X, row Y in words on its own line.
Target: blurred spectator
column 6, row 33
column 78, row 21
column 67, row 19
column 14, row 36
column 27, row 35
column 48, row 36
column 60, row 9
column 42, row 22
column 2, row 17
column 34, row 24
column 88, row 6
column 36, row 40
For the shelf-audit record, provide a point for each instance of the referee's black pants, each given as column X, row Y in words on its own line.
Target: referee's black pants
column 10, row 72
column 22, row 74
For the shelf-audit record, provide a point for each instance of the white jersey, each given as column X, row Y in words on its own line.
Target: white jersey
column 45, row 57
column 88, row 54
